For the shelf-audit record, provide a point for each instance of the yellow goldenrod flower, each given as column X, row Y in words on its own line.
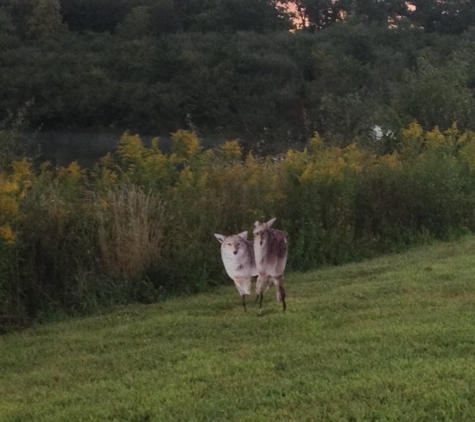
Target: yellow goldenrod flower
column 130, row 147
column 230, row 150
column 8, row 206
column 412, row 140
column 8, row 187
column 6, row 233
column 108, row 177
column 185, row 179
column 185, row 144
column 391, row 161
column 315, row 144
column 21, row 170
column 74, row 169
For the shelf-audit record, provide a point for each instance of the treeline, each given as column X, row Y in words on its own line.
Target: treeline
column 40, row 18
column 232, row 68
column 139, row 226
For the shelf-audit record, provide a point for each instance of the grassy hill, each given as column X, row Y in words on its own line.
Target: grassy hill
column 390, row 339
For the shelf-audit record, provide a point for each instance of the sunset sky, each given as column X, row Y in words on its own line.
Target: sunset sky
column 292, row 8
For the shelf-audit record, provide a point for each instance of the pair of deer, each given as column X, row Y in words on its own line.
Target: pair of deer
column 266, row 258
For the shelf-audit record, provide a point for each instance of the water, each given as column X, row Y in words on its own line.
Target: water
column 86, row 147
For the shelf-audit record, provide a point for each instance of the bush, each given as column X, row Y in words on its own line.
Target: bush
column 140, row 225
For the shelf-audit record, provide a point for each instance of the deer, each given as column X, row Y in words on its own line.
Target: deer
column 270, row 250
column 237, row 254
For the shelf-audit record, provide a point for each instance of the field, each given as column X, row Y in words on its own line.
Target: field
column 389, row 339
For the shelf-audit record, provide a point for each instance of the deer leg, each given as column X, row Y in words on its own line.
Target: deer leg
column 282, row 295
column 244, row 302
column 260, row 288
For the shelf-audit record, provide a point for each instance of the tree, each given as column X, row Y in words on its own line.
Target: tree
column 436, row 95
column 137, row 24
column 45, row 20
column 445, row 16
column 165, row 17
column 93, row 15
column 252, row 15
column 319, row 14
column 19, row 11
column 6, row 24
column 375, row 11
column 231, row 15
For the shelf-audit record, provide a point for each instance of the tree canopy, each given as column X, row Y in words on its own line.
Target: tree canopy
column 234, row 66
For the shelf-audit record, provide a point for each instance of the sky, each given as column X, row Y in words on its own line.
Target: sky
column 291, row 7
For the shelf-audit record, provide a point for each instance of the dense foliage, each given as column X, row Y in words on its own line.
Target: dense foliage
column 140, row 225
column 232, row 68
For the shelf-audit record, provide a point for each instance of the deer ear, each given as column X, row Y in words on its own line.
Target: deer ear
column 243, row 235
column 270, row 222
column 220, row 237
column 256, row 223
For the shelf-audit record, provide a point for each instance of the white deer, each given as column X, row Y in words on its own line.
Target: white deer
column 238, row 259
column 270, row 250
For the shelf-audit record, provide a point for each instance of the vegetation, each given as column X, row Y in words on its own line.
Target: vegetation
column 353, row 77
column 232, row 69
column 353, row 126
column 388, row 339
column 139, row 225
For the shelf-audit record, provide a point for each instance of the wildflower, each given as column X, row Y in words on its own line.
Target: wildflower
column 230, row 150
column 130, row 147
column 8, row 206
column 108, row 177
column 315, row 144
column 73, row 171
column 391, row 161
column 186, row 178
column 8, row 187
column 185, row 144
column 6, row 233
column 412, row 140
column 21, row 170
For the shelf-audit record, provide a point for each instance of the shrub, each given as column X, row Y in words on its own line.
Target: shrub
column 140, row 225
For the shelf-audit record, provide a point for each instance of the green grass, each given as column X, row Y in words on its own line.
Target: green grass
column 390, row 339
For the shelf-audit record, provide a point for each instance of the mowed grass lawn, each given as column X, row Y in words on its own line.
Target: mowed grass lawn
column 389, row 339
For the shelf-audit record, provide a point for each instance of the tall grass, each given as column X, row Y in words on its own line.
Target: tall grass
column 139, row 225
column 130, row 230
